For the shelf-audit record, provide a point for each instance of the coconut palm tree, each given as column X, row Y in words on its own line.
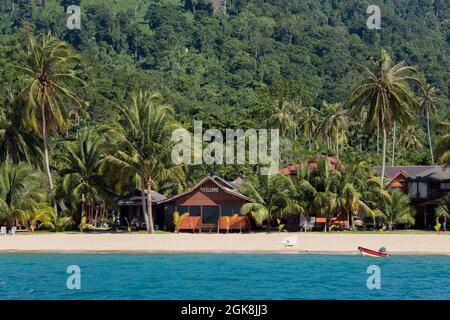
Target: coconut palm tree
column 376, row 197
column 308, row 122
column 350, row 188
column 20, row 193
column 143, row 146
column 387, row 94
column 49, row 70
column 269, row 193
column 58, row 222
column 313, row 192
column 81, row 162
column 17, row 143
column 408, row 138
column 324, row 126
column 428, row 102
column 334, row 123
column 443, row 149
column 398, row 209
column 282, row 118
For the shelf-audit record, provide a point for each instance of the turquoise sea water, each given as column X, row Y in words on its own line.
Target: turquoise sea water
column 222, row 276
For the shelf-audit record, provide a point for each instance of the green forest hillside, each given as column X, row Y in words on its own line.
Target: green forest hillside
column 216, row 62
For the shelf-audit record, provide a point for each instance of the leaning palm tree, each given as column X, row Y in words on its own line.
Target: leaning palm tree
column 388, row 96
column 398, row 209
column 282, row 118
column 143, row 146
column 428, row 102
column 20, row 193
column 270, row 198
column 49, row 70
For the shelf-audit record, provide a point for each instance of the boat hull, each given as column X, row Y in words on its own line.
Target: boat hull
column 371, row 253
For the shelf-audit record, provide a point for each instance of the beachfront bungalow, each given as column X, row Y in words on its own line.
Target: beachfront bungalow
column 131, row 210
column 208, row 203
column 426, row 187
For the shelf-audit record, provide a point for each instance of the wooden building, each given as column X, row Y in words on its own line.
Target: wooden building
column 131, row 210
column 425, row 186
column 208, row 203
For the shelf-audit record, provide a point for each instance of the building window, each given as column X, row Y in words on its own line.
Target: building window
column 182, row 209
column 230, row 210
column 412, row 190
column 445, row 185
column 195, row 211
column 423, row 190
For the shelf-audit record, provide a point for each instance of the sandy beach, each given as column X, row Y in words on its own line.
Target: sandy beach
column 431, row 244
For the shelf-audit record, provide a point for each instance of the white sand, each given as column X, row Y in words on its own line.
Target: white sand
column 256, row 242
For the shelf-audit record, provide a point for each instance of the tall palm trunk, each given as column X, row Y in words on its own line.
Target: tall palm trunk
column 337, row 144
column 46, row 155
column 393, row 143
column 151, row 228
column 383, row 164
column 144, row 204
column 429, row 138
column 378, row 138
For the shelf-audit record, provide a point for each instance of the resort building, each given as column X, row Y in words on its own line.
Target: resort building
column 208, row 204
column 131, row 210
column 426, row 187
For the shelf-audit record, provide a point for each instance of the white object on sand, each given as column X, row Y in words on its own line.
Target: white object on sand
column 3, row 230
column 289, row 241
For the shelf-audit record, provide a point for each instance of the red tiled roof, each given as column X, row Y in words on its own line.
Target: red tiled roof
column 312, row 163
column 396, row 184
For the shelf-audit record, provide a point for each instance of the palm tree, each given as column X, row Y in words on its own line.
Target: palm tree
column 20, row 193
column 282, row 118
column 58, row 222
column 17, row 143
column 387, row 94
column 408, row 138
column 269, row 195
column 308, row 122
column 49, row 69
column 81, row 163
column 143, row 146
column 398, row 209
column 351, row 186
column 443, row 149
column 313, row 192
column 376, row 197
column 428, row 102
column 334, row 123
column 443, row 211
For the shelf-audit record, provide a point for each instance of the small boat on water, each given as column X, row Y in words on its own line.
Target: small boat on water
column 372, row 253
